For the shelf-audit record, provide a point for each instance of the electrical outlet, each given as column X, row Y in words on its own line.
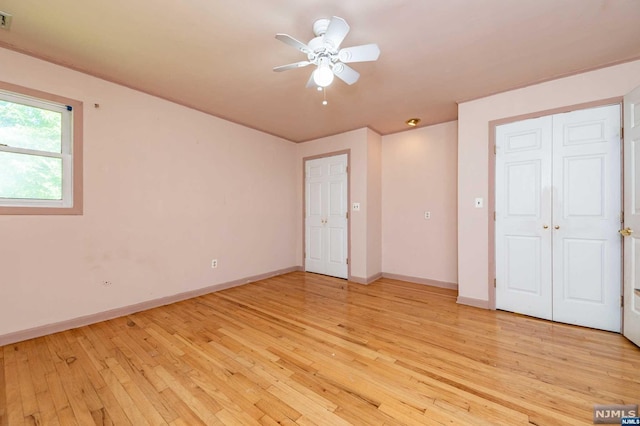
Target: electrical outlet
column 5, row 20
column 106, row 283
column 356, row 207
column 214, row 263
column 479, row 203
column 427, row 215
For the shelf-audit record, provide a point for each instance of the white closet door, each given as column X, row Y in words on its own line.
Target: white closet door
column 558, row 206
column 523, row 217
column 632, row 216
column 587, row 255
column 326, row 239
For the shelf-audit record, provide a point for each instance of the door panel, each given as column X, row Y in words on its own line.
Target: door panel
column 314, row 202
column 634, row 147
column 584, row 275
column 523, row 244
column 584, row 187
column 315, row 248
column 325, row 216
column 631, row 309
column 523, row 189
column 523, row 257
column 336, row 196
column 586, row 211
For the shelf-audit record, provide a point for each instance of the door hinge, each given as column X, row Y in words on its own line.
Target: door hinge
column 622, row 217
column 494, row 216
column 347, row 260
column 495, row 149
column 346, row 169
column 622, row 301
column 494, row 282
column 621, row 132
column 347, row 215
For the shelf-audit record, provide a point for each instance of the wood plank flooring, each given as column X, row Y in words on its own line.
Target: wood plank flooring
column 303, row 349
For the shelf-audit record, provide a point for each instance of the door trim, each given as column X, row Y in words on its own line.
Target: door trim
column 304, row 203
column 491, row 198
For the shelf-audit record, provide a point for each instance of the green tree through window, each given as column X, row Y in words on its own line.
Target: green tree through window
column 29, row 170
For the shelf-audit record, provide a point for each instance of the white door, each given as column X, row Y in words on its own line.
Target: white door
column 557, row 215
column 326, row 199
column 632, row 216
column 523, row 217
column 587, row 252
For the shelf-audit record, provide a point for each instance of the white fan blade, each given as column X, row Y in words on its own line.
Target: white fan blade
column 346, row 73
column 336, row 31
column 364, row 53
column 292, row 66
column 285, row 38
column 311, row 82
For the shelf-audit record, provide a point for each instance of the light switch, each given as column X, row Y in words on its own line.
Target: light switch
column 427, row 215
column 479, row 203
column 356, row 207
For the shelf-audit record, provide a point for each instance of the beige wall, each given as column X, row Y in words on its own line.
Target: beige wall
column 166, row 189
column 419, row 173
column 473, row 156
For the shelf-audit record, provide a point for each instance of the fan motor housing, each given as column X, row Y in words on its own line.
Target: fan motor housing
column 320, row 26
column 320, row 48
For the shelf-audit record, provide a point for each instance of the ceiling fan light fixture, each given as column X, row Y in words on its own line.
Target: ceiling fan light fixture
column 413, row 122
column 323, row 75
column 325, row 53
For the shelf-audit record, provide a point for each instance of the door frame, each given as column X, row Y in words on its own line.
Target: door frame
column 304, row 204
column 491, row 199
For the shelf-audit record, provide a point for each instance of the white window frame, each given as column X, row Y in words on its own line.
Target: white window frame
column 70, row 153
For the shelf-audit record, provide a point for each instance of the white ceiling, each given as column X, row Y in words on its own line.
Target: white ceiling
column 217, row 56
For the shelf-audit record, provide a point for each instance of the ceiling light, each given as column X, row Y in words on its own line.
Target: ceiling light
column 413, row 122
column 323, row 76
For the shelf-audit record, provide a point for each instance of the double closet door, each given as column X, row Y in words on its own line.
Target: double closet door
column 326, row 222
column 558, row 212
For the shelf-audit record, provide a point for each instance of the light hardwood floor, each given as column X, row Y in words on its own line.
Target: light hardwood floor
column 306, row 349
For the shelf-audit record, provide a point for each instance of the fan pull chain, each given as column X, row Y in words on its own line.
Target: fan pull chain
column 324, row 94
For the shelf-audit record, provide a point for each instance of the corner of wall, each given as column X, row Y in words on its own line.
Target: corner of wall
column 374, row 202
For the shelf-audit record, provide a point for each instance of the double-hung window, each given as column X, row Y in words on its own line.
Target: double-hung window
column 40, row 154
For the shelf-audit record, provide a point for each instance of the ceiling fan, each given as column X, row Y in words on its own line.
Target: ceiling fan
column 324, row 52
